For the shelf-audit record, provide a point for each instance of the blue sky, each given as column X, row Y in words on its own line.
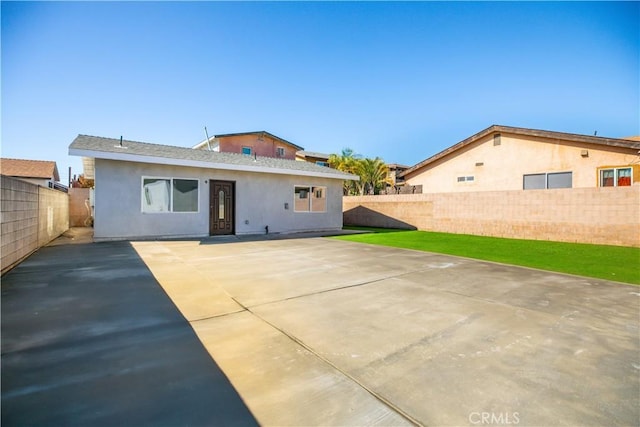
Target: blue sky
column 401, row 81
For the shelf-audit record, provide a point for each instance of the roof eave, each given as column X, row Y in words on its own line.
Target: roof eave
column 585, row 139
column 108, row 155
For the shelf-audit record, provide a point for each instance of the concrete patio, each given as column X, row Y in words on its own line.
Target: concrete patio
column 318, row 331
column 325, row 332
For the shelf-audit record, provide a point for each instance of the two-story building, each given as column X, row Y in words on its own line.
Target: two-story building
column 319, row 159
column 260, row 143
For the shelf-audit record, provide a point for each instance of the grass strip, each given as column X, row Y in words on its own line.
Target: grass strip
column 618, row 263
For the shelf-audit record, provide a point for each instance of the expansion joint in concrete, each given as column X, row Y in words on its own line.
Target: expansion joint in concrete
column 374, row 394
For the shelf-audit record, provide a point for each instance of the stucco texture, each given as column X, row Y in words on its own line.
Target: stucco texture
column 501, row 167
column 260, row 200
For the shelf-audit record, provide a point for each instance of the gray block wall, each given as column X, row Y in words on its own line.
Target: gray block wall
column 30, row 216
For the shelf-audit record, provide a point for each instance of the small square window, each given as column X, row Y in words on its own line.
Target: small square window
column 309, row 199
column 536, row 181
column 606, row 178
column 280, row 152
column 541, row 181
column 185, row 195
column 624, row 177
column 156, row 195
column 616, row 177
column 246, row 150
column 169, row 195
column 559, row 180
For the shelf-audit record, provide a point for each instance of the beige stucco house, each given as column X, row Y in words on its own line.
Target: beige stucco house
column 510, row 158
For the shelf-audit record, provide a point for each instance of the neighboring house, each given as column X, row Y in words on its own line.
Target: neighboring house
column 311, row 157
column 40, row 172
column 395, row 176
column 148, row 190
column 259, row 143
column 510, row 158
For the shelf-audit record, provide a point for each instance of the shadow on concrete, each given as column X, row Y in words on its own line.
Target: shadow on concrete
column 90, row 338
column 365, row 217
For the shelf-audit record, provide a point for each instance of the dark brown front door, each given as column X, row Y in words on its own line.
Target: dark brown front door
column 221, row 207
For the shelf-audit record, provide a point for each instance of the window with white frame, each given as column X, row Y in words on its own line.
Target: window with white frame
column 616, row 177
column 541, row 181
column 169, row 195
column 309, row 199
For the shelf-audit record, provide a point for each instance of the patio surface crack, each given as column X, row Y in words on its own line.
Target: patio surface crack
column 328, row 362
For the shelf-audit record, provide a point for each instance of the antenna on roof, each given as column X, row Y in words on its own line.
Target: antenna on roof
column 595, row 133
column 120, row 140
column 207, row 135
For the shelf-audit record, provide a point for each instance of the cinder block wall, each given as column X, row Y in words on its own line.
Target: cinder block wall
column 53, row 214
column 31, row 216
column 19, row 220
column 608, row 216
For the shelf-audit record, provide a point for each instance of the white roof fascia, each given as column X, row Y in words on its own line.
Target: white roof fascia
column 202, row 164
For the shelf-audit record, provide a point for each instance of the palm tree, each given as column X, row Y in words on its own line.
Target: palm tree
column 347, row 161
column 374, row 175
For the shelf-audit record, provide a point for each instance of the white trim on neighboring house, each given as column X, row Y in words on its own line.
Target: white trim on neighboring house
column 203, row 164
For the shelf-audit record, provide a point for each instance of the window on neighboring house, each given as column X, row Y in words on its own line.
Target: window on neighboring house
column 169, row 195
column 280, row 152
column 320, row 163
column 496, row 139
column 246, row 150
column 309, row 199
column 466, row 178
column 615, row 177
column 560, row 180
column 541, row 181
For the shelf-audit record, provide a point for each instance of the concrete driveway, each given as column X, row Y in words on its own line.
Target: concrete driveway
column 89, row 338
column 325, row 332
column 311, row 332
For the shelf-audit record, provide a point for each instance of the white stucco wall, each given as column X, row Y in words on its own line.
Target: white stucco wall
column 260, row 201
column 501, row 167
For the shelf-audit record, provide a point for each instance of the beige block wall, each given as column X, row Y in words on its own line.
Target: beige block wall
column 53, row 215
column 30, row 216
column 503, row 166
column 586, row 215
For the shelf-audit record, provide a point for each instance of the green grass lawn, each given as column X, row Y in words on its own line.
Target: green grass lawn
column 617, row 263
